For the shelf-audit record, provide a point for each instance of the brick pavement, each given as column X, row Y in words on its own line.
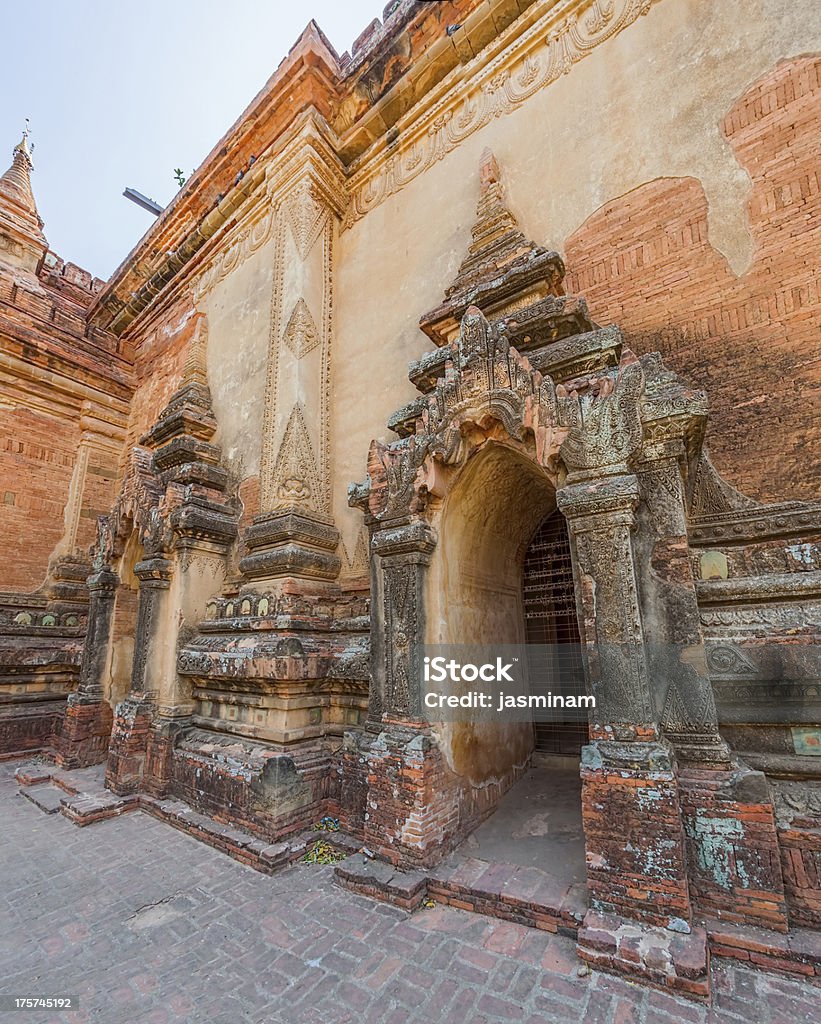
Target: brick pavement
column 147, row 925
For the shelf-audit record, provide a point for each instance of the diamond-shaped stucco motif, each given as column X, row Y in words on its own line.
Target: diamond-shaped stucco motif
column 307, row 218
column 301, row 333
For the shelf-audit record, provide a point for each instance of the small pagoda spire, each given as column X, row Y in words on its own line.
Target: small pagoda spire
column 15, row 184
column 502, row 269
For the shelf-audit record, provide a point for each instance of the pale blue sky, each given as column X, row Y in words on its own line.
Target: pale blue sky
column 120, row 93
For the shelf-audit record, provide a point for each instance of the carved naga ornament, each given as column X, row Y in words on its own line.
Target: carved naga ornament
column 603, row 421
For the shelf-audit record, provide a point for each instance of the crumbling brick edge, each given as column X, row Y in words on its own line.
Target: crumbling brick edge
column 84, row 809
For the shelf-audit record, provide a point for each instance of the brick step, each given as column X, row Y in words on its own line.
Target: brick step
column 675, row 961
column 81, row 796
column 798, row 952
column 524, row 895
column 48, row 798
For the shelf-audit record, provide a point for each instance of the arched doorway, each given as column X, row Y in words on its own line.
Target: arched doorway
column 500, row 579
column 474, row 597
column 551, row 622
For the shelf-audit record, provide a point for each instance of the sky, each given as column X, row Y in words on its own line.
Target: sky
column 120, row 93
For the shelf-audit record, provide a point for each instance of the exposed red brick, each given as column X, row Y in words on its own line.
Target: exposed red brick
column 644, row 261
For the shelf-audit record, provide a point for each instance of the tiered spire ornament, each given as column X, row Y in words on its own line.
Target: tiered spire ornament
column 22, row 241
column 503, row 269
column 15, row 184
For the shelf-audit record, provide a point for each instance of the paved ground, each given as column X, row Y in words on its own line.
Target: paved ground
column 150, row 926
column 538, row 824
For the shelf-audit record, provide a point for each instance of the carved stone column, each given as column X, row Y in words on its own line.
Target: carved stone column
column 87, row 723
column 727, row 808
column 409, row 816
column 628, row 772
column 637, row 870
column 134, row 715
column 677, row 661
column 601, row 516
column 294, row 534
column 397, row 626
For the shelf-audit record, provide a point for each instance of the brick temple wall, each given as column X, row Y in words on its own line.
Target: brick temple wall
column 644, row 260
column 67, row 380
column 159, row 360
column 38, row 453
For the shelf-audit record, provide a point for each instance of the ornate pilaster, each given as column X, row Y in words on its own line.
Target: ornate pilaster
column 676, row 657
column 134, row 716
column 601, row 515
column 295, row 535
column 87, row 723
column 102, row 586
column 402, row 554
column 627, row 768
column 154, row 575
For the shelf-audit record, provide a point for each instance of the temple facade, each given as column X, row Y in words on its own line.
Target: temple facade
column 502, row 329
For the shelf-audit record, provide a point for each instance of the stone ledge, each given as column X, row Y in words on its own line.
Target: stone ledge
column 671, row 961
column 380, row 880
column 798, row 952
column 48, row 798
column 508, row 892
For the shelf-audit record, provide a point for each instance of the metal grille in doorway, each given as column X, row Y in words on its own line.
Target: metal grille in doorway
column 550, row 619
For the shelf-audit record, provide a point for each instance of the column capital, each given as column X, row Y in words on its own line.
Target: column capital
column 154, row 572
column 411, row 538
column 103, row 581
column 613, row 498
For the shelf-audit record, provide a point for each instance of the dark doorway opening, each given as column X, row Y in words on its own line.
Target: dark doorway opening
column 550, row 619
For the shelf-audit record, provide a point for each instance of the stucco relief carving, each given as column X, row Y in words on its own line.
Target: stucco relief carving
column 402, row 632
column 307, row 214
column 612, row 609
column 603, row 421
column 296, row 477
column 688, row 711
column 488, row 386
column 537, row 58
column 712, row 495
column 355, row 559
column 301, row 333
column 139, row 495
column 246, row 242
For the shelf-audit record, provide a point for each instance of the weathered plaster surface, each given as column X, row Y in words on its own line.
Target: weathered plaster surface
column 239, row 315
column 646, row 104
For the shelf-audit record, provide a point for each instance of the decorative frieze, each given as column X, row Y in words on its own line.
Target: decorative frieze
column 524, row 63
